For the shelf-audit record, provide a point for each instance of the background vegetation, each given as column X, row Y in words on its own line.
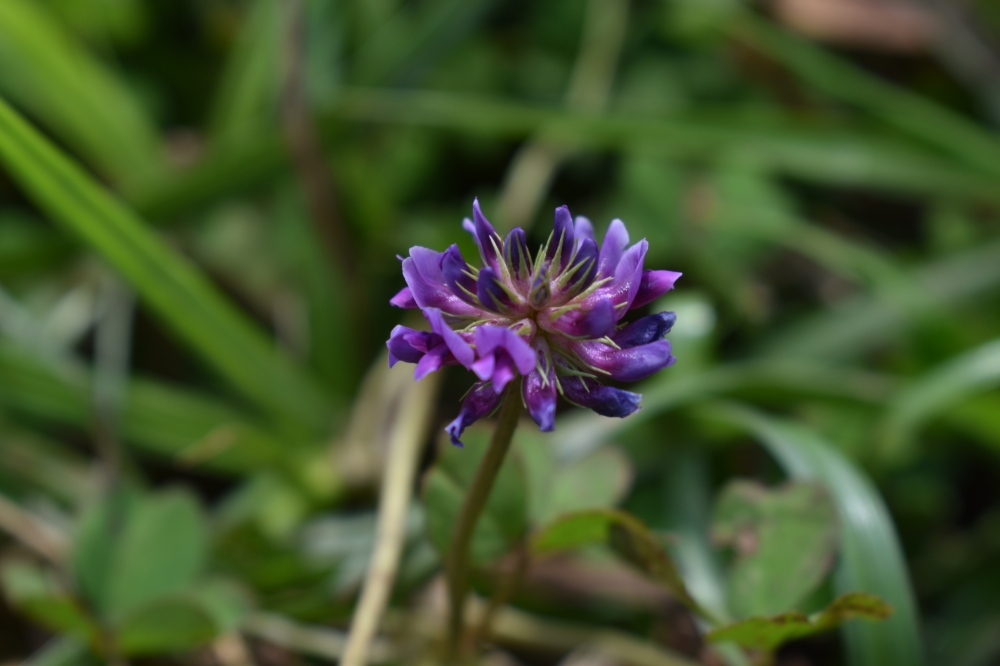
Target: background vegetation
column 200, row 208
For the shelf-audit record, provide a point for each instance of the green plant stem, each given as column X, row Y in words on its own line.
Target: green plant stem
column 457, row 562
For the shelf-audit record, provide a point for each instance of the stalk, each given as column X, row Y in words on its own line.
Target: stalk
column 457, row 561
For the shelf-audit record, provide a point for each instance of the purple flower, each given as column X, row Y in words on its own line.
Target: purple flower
column 553, row 318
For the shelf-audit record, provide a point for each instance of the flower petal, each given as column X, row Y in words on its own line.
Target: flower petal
column 626, row 365
column 433, row 360
column 491, row 338
column 491, row 292
column 584, row 324
column 458, row 277
column 584, row 269
column 604, row 400
column 486, row 236
column 422, row 271
column 478, row 403
column 615, row 242
column 622, row 289
column 539, row 389
column 515, row 250
column 562, row 239
column 645, row 330
column 461, row 349
column 653, row 285
column 408, row 345
column 404, row 299
column 583, row 229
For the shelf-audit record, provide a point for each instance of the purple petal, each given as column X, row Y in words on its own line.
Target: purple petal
column 422, row 271
column 562, row 238
column 540, row 292
column 408, row 345
column 645, row 330
column 626, row 365
column 491, row 338
column 584, row 268
column 539, row 390
column 515, row 249
column 432, row 361
column 583, row 229
column 404, row 299
column 491, row 292
column 615, row 242
column 604, row 400
column 456, row 344
column 653, row 285
column 479, row 402
column 585, row 324
column 625, row 284
column 487, row 238
column 456, row 274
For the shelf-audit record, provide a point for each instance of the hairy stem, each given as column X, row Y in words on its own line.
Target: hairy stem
column 457, row 563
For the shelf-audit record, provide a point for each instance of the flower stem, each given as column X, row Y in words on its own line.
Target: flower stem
column 457, row 561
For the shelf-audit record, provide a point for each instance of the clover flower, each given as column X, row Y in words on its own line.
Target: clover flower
column 553, row 318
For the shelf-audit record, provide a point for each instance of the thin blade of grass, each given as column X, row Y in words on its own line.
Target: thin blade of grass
column 171, row 286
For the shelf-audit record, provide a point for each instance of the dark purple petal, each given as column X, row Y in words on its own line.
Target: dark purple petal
column 615, row 242
column 626, row 365
column 623, row 287
column 433, row 360
column 404, row 299
column 491, row 338
column 479, row 402
column 408, row 345
column 461, row 349
column 491, row 292
column 604, row 400
column 583, row 229
column 584, row 268
column 653, row 285
column 539, row 389
column 645, row 330
column 540, row 293
column 456, row 274
column 562, row 238
column 422, row 271
column 488, row 240
column 515, row 248
column 585, row 324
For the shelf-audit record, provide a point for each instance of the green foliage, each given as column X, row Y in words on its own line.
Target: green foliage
column 784, row 540
column 769, row 633
column 505, row 518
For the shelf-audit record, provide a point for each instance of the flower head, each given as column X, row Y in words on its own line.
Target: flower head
column 553, row 317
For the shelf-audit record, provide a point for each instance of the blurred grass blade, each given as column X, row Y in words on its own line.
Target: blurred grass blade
column 934, row 392
column 46, row 72
column 248, row 91
column 861, row 323
column 906, row 111
column 192, row 427
column 172, row 287
column 827, row 155
column 871, row 559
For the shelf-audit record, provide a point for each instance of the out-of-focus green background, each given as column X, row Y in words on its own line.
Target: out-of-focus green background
column 201, row 204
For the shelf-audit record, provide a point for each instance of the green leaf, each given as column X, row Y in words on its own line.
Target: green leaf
column 625, row 534
column 962, row 377
column 173, row 288
column 504, row 520
column 131, row 550
column 35, row 593
column 197, row 428
column 166, row 625
column 596, row 481
column 769, row 633
column 785, row 540
column 48, row 73
column 871, row 559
